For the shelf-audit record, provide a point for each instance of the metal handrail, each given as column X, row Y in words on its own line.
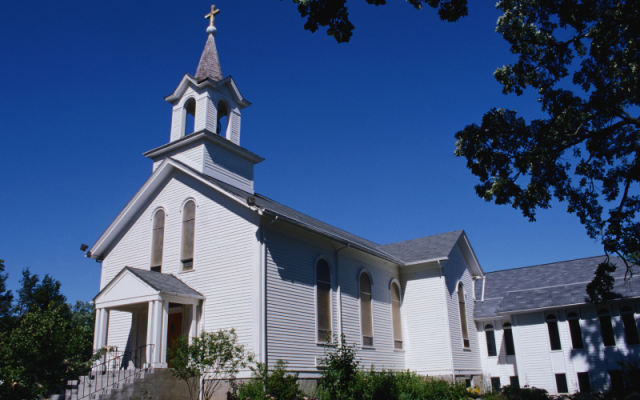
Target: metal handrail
column 104, row 374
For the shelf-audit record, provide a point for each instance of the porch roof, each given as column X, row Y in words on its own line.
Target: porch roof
column 156, row 281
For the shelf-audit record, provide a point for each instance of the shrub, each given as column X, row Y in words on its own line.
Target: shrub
column 339, row 368
column 275, row 384
column 526, row 393
column 216, row 356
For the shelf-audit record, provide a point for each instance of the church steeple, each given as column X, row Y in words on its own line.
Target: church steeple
column 210, row 142
column 209, row 65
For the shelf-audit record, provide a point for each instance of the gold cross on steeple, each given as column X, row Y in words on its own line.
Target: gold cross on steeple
column 212, row 15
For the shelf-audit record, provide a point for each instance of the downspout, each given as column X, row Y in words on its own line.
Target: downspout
column 339, row 294
column 263, row 283
column 446, row 319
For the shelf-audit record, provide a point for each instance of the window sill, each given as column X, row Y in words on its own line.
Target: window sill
column 187, row 271
column 466, row 349
column 399, row 350
column 367, row 347
column 329, row 344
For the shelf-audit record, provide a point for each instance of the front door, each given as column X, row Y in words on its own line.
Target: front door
column 174, row 331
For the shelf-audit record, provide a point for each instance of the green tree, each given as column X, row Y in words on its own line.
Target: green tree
column 277, row 383
column 206, row 362
column 40, row 351
column 585, row 153
column 6, row 301
column 38, row 294
column 335, row 15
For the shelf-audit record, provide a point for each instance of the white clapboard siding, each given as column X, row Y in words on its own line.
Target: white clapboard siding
column 225, row 239
column 455, row 270
column 383, row 355
column 291, row 313
column 535, row 348
column 228, row 167
column 426, row 333
column 500, row 366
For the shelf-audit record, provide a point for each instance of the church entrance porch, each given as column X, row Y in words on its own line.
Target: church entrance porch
column 142, row 312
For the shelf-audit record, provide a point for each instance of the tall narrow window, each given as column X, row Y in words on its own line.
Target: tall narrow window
column 323, row 300
column 366, row 314
column 491, row 341
column 188, row 230
column 608, row 337
column 508, row 339
column 157, row 241
column 630, row 327
column 396, row 315
column 561, row 383
column 463, row 317
column 576, row 332
column 554, row 334
column 583, row 382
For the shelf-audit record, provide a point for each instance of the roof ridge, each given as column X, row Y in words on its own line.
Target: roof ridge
column 541, row 265
column 423, row 237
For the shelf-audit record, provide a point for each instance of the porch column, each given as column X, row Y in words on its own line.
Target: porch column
column 102, row 326
column 165, row 325
column 192, row 328
column 157, row 328
column 149, row 351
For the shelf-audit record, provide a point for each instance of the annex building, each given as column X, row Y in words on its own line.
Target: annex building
column 198, row 249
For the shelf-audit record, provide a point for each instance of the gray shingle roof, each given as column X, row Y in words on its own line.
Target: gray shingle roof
column 424, row 248
column 164, row 283
column 209, row 65
column 548, row 285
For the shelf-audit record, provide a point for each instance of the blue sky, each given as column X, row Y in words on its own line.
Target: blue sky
column 359, row 135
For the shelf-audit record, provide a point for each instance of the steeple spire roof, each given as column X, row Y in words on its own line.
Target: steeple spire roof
column 209, row 65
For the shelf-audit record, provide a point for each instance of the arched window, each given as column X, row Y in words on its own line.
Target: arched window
column 608, row 337
column 323, row 300
column 396, row 315
column 366, row 313
column 491, row 341
column 508, row 339
column 463, row 316
column 189, row 116
column 157, row 241
column 223, row 119
column 576, row 331
column 630, row 327
column 554, row 334
column 188, row 231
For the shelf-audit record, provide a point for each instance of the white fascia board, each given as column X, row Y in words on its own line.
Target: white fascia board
column 182, row 86
column 128, row 302
column 430, row 260
column 476, row 264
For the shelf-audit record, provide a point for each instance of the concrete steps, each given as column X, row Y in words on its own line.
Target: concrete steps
column 103, row 386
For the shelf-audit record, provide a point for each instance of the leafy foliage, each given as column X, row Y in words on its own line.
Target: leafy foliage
column 526, row 393
column 42, row 349
column 339, row 369
column 335, row 15
column 586, row 152
column 6, row 301
column 42, row 339
column 37, row 294
column 276, row 384
column 210, row 359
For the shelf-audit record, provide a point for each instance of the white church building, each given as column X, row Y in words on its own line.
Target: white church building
column 197, row 249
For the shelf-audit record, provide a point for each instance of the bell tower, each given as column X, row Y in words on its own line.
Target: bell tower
column 212, row 145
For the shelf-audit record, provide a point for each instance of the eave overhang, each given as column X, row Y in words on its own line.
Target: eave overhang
column 201, row 136
column 208, row 83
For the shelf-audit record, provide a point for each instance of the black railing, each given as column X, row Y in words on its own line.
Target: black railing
column 108, row 371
